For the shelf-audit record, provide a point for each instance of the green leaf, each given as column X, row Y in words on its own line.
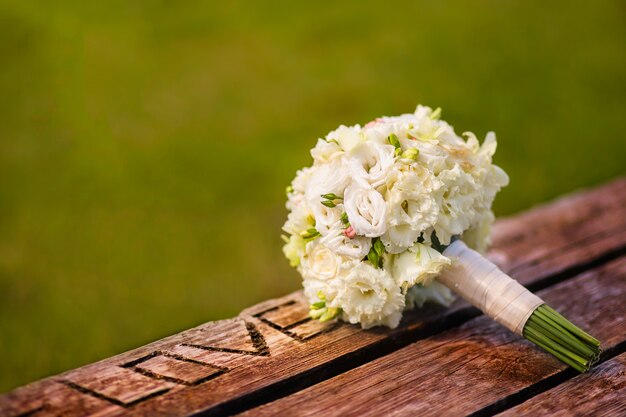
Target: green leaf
column 344, row 219
column 379, row 247
column 373, row 257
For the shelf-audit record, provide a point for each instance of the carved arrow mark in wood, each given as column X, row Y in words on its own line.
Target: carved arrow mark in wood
column 258, row 342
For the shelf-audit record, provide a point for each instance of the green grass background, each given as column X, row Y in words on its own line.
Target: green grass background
column 145, row 145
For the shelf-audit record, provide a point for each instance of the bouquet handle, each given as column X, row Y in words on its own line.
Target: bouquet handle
column 485, row 286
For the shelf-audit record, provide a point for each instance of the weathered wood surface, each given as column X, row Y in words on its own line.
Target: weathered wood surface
column 273, row 350
column 601, row 392
column 466, row 369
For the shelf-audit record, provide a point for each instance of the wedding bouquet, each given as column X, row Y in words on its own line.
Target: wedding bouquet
column 396, row 213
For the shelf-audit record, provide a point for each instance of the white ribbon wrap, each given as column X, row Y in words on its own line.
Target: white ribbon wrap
column 486, row 287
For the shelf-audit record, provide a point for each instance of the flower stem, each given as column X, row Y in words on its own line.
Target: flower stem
column 554, row 333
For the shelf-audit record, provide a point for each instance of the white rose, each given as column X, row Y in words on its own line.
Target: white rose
column 418, row 265
column 371, row 162
column 370, row 297
column 320, row 262
column 366, row 210
column 347, row 137
column 324, row 270
column 357, row 247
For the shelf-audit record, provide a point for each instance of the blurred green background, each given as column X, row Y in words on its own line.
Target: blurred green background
column 145, row 146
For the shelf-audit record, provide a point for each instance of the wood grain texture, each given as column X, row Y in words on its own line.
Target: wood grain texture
column 601, row 392
column 273, row 348
column 465, row 369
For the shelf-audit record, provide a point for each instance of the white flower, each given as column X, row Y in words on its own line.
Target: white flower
column 366, row 210
column 294, row 201
column 347, row 137
column 332, row 177
column 356, row 247
column 489, row 146
column 399, row 237
column 370, row 163
column 326, row 151
column 294, row 249
column 411, row 205
column 434, row 292
column 418, row 265
column 439, row 186
column 326, row 217
column 324, row 270
column 478, row 236
column 320, row 262
column 301, row 182
column 370, row 297
column 431, row 155
column 299, row 219
column 312, row 288
column 458, row 211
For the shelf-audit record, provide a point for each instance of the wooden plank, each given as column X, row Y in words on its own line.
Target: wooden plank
column 466, row 369
column 273, row 348
column 580, row 226
column 601, row 392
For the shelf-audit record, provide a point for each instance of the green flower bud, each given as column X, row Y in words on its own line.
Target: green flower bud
column 329, row 314
column 331, row 196
column 393, row 140
column 316, row 314
column 411, row 153
column 311, row 233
